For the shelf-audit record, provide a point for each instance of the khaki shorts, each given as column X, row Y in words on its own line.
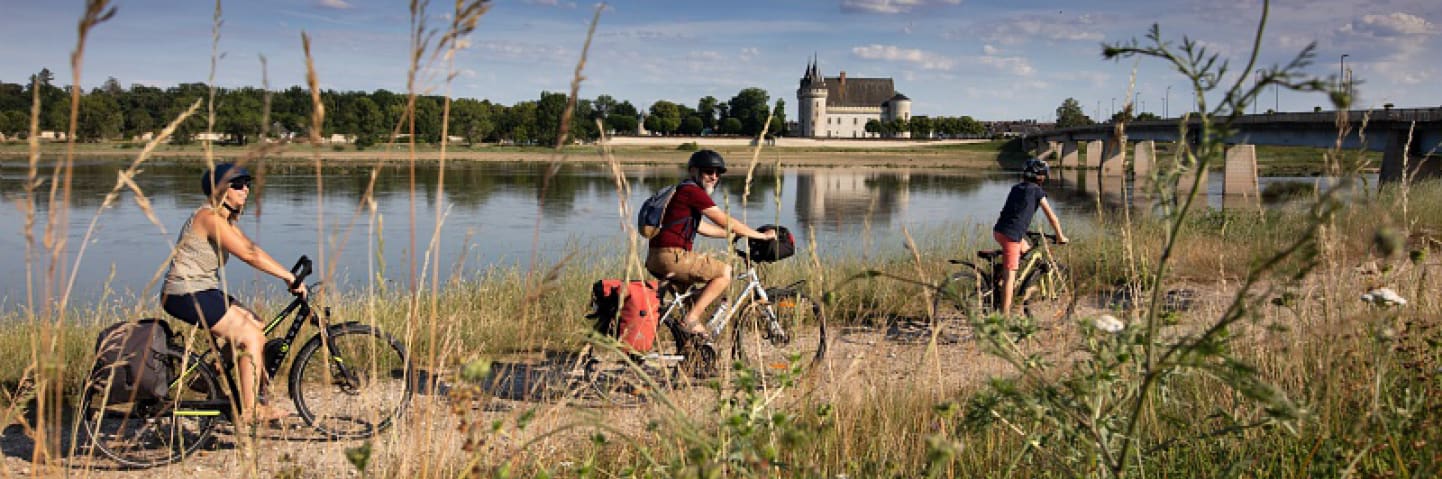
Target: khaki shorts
column 679, row 265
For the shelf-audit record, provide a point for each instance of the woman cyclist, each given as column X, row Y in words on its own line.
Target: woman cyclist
column 192, row 291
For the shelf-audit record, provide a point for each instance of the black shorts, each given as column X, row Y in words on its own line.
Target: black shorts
column 201, row 307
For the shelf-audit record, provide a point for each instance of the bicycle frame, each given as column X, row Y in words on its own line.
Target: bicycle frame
column 754, row 291
column 302, row 310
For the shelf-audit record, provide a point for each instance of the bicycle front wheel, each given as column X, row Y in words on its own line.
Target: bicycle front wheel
column 1046, row 294
column 152, row 432
column 352, row 382
column 789, row 341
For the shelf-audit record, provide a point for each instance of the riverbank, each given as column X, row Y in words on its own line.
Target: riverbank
column 1271, row 160
column 813, row 153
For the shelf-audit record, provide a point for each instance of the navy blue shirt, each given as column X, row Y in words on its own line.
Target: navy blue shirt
column 1021, row 204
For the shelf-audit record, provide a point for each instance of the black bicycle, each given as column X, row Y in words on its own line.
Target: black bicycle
column 350, row 380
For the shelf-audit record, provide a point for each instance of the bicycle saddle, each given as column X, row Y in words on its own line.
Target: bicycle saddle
column 988, row 254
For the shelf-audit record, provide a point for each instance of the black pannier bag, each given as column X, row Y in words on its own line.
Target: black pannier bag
column 772, row 250
column 131, row 359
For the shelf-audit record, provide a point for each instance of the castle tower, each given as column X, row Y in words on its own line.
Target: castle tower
column 899, row 108
column 811, row 101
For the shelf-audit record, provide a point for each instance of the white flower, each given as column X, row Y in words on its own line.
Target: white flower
column 1384, row 297
column 1109, row 323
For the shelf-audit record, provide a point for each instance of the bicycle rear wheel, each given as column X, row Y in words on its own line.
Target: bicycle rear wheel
column 960, row 294
column 769, row 348
column 153, row 432
column 352, row 382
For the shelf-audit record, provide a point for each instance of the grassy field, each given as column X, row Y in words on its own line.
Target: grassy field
column 1335, row 358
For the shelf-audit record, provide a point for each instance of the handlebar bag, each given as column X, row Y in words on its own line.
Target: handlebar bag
column 784, row 246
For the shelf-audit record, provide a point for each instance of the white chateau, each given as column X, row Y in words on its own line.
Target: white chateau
column 839, row 107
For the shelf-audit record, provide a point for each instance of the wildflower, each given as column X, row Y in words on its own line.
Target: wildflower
column 1109, row 323
column 1384, row 297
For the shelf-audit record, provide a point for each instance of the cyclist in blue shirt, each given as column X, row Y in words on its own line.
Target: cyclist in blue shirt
column 1010, row 230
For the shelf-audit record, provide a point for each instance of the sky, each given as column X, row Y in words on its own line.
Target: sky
column 992, row 60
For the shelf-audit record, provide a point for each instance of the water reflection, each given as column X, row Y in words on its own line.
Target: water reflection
column 497, row 214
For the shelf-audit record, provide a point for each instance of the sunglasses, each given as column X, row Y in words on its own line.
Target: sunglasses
column 710, row 171
column 240, row 184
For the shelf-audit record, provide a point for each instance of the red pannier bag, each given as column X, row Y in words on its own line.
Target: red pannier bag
column 633, row 321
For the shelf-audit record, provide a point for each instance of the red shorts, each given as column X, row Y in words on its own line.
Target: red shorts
column 1010, row 250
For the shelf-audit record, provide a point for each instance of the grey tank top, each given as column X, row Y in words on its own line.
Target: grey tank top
column 196, row 264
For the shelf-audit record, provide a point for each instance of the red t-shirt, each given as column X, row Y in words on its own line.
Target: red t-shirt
column 678, row 225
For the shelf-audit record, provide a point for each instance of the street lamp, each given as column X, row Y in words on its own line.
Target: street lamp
column 1114, row 106
column 1166, row 100
column 1257, row 82
column 1342, row 72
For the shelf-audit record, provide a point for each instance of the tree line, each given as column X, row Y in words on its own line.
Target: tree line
column 111, row 112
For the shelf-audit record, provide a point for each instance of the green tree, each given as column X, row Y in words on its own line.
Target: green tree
column 664, row 117
column 1149, row 116
column 1070, row 114
column 548, row 117
column 692, row 125
column 238, row 114
column 873, row 126
column 921, row 127
column 100, row 118
column 731, row 126
column 969, row 126
column 706, row 110
column 778, row 119
column 621, row 124
column 750, row 106
column 471, row 119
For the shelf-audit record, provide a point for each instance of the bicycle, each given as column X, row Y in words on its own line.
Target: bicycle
column 775, row 314
column 1041, row 283
column 350, row 380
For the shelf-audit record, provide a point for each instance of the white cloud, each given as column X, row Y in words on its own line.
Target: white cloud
column 1013, row 65
column 749, row 53
column 923, row 59
column 1020, row 29
column 334, row 4
column 1392, row 25
column 552, row 3
column 890, row 7
column 523, row 51
column 989, row 50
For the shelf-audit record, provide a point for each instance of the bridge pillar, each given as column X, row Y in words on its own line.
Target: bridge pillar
column 1398, row 152
column 1114, row 158
column 1094, row 154
column 1239, row 173
column 1068, row 154
column 1144, row 158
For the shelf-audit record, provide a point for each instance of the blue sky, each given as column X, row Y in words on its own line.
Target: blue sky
column 992, row 60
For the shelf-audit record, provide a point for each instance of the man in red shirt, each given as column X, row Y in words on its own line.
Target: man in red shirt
column 670, row 256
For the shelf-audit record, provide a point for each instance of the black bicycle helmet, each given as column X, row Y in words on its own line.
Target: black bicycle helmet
column 707, row 159
column 224, row 174
column 1035, row 168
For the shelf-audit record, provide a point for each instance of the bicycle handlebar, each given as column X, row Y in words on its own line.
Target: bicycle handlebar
column 301, row 269
column 1036, row 235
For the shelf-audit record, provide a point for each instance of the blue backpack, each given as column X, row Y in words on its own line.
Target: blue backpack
column 648, row 219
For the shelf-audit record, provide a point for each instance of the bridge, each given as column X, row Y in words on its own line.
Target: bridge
column 1386, row 130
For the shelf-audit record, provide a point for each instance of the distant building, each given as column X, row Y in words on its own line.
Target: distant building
column 839, row 107
column 1015, row 128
